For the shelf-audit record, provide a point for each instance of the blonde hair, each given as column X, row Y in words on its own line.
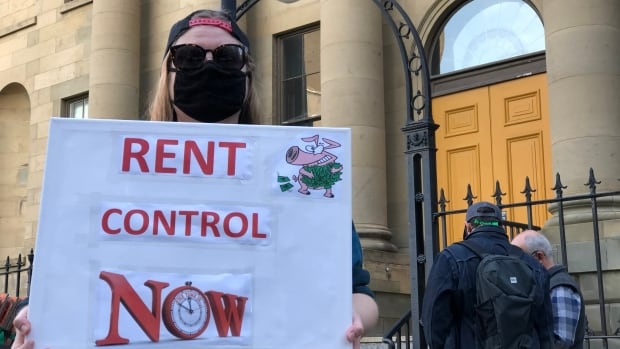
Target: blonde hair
column 160, row 106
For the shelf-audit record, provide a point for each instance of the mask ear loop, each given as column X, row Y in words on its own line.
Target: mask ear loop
column 169, row 69
column 174, row 112
column 243, row 113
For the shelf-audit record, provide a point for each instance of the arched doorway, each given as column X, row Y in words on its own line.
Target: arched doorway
column 14, row 158
column 490, row 101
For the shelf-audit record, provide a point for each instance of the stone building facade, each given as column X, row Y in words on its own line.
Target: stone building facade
column 101, row 59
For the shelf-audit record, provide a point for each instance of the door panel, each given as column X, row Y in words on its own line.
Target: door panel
column 495, row 133
column 520, row 139
column 463, row 149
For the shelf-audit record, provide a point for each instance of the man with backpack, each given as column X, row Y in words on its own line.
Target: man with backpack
column 569, row 316
column 486, row 293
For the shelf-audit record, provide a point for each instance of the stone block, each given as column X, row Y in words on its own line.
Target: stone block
column 598, row 344
column 33, row 38
column 614, row 318
column 69, row 88
column 612, row 311
column 588, row 283
column 33, row 68
column 5, row 61
column 41, row 49
column 56, row 76
column 582, row 256
column 612, row 246
column 373, row 344
column 64, row 57
column 47, row 18
column 41, row 113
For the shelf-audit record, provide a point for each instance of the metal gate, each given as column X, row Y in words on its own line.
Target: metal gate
column 407, row 333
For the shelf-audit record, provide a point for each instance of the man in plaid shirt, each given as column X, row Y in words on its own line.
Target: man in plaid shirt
column 566, row 299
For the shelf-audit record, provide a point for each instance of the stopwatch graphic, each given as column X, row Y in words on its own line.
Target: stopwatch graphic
column 186, row 312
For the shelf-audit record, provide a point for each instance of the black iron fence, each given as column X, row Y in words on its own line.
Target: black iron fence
column 400, row 335
column 16, row 274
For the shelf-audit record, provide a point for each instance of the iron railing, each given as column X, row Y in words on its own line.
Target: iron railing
column 399, row 335
column 13, row 272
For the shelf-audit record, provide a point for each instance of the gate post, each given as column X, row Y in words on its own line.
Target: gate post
column 420, row 148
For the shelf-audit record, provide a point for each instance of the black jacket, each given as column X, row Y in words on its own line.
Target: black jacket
column 450, row 295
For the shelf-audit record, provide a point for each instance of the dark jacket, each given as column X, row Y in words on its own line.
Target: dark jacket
column 559, row 277
column 450, row 296
column 361, row 276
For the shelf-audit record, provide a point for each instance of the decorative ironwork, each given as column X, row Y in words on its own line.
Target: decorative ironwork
column 245, row 7
column 417, row 140
column 413, row 58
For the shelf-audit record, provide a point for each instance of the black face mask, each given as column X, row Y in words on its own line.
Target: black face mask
column 211, row 93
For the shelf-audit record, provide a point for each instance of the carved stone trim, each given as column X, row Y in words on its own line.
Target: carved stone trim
column 18, row 26
column 72, row 5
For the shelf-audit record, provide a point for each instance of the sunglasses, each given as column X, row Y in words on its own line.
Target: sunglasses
column 187, row 57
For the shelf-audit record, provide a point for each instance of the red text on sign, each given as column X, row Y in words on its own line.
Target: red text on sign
column 230, row 225
column 135, row 151
column 227, row 309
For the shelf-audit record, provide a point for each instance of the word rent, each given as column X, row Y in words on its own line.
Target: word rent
column 181, row 157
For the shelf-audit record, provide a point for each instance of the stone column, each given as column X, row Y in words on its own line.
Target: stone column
column 583, row 47
column 114, row 87
column 352, row 96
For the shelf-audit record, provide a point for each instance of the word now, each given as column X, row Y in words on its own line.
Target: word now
column 237, row 223
column 174, row 156
column 227, row 309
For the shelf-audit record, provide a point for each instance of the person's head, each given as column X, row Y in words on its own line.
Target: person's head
column 206, row 74
column 482, row 213
column 535, row 244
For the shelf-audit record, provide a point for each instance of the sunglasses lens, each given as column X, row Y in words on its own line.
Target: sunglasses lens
column 192, row 57
column 229, row 56
column 188, row 57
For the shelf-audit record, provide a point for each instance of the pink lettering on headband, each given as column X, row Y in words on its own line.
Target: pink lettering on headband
column 211, row 21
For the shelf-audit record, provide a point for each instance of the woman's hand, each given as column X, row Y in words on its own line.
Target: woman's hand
column 355, row 331
column 365, row 316
column 22, row 329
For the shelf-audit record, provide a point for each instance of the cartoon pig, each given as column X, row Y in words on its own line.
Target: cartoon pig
column 319, row 169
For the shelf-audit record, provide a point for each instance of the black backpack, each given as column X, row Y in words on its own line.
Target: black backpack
column 505, row 289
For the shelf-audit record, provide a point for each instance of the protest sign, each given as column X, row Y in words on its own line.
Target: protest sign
column 172, row 235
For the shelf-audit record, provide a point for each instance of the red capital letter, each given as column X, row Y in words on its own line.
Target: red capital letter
column 122, row 291
column 232, row 155
column 227, row 312
column 205, row 162
column 138, row 155
column 104, row 221
column 160, row 155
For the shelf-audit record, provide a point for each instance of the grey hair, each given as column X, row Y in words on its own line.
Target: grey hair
column 538, row 242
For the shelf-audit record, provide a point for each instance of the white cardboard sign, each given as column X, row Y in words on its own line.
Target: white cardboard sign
column 171, row 235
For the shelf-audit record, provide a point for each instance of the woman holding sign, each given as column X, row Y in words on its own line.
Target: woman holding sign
column 206, row 76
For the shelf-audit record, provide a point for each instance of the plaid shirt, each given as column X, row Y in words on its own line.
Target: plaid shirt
column 566, row 305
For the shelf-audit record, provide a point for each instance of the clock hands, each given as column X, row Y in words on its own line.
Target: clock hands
column 182, row 305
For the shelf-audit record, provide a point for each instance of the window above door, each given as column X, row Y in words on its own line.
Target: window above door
column 481, row 32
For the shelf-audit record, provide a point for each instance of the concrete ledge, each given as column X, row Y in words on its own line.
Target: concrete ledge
column 18, row 26
column 72, row 5
column 373, row 343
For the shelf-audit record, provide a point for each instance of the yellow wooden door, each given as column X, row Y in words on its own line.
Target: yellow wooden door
column 494, row 133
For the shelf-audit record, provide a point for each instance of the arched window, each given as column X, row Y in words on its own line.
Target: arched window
column 486, row 31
